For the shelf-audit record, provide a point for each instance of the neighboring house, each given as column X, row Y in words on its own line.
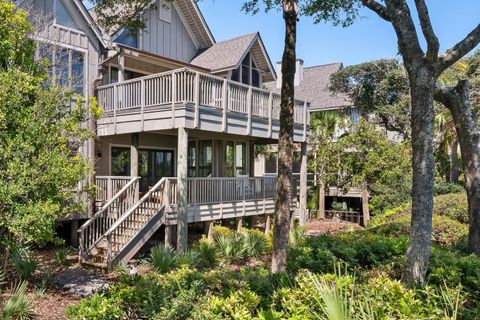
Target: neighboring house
column 312, row 84
column 182, row 114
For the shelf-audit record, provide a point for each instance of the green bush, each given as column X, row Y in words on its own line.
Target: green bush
column 190, row 258
column 254, row 243
column 208, row 254
column 446, row 188
column 60, row 256
column 230, row 248
column 219, row 230
column 445, row 231
column 23, row 261
column 162, row 258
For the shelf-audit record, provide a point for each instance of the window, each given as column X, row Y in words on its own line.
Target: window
column 271, row 163
column 128, row 75
column 205, row 158
column 63, row 17
column 192, row 159
column 66, row 67
column 241, row 159
column 236, row 159
column 247, row 73
column 120, row 161
column 128, row 38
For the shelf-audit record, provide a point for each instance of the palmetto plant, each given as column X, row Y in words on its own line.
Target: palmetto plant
column 162, row 258
column 190, row 258
column 18, row 306
column 230, row 248
column 208, row 254
column 254, row 244
column 23, row 261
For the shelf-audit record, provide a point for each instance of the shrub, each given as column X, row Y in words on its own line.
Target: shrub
column 23, row 261
column 219, row 230
column 99, row 306
column 60, row 256
column 446, row 188
column 445, row 231
column 190, row 258
column 208, row 254
column 162, row 258
column 230, row 248
column 254, row 243
column 18, row 306
column 239, row 305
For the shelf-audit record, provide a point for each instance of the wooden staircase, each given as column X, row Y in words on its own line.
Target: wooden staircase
column 122, row 226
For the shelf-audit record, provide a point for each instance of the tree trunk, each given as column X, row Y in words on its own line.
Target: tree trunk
column 418, row 252
column 453, row 160
column 281, row 225
column 457, row 100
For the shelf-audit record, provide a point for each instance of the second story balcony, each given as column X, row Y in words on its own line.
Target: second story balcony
column 194, row 100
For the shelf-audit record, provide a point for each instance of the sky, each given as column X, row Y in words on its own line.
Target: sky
column 367, row 39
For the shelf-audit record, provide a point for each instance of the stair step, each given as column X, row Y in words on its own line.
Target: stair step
column 97, row 265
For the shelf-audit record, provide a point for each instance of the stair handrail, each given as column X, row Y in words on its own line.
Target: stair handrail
column 108, row 204
column 132, row 210
column 85, row 248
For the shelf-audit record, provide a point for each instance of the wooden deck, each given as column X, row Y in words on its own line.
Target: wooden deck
column 128, row 219
column 195, row 100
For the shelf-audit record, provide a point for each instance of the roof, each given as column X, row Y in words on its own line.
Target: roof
column 193, row 16
column 229, row 54
column 315, row 88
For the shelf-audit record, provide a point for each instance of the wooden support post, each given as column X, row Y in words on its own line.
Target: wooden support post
column 249, row 111
column 224, row 105
column 211, row 226
column 268, row 224
column 239, row 222
column 74, row 233
column 121, row 67
column 182, row 200
column 197, row 100
column 251, row 158
column 365, row 210
column 134, row 160
column 321, row 201
column 303, row 185
column 174, row 96
column 169, row 236
column 270, row 107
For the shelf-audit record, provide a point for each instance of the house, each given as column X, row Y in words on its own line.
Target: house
column 312, row 84
column 182, row 115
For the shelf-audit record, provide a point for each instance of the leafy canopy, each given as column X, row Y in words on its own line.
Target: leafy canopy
column 40, row 133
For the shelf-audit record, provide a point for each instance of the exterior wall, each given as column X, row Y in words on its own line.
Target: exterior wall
column 168, row 39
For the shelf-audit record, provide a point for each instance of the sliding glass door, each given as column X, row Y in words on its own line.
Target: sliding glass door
column 153, row 165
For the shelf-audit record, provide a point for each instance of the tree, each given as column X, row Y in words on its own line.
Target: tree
column 40, row 132
column 423, row 69
column 379, row 89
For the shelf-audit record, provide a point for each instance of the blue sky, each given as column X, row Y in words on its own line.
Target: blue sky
column 368, row 39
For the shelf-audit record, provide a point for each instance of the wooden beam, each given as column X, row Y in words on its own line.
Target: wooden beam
column 169, row 236
column 321, row 201
column 182, row 186
column 303, row 185
column 365, row 209
column 134, row 160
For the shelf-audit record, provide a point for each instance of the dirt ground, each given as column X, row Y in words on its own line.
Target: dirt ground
column 52, row 303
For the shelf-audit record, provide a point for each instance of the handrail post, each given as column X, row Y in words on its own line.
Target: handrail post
column 270, row 107
column 224, row 104
column 249, row 110
column 109, row 250
column 197, row 99
column 115, row 103
column 142, row 102
column 174, row 96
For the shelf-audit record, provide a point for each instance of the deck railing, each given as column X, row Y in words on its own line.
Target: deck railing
column 107, row 187
column 186, row 85
column 349, row 216
column 224, row 190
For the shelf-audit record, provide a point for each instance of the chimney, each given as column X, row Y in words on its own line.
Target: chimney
column 298, row 73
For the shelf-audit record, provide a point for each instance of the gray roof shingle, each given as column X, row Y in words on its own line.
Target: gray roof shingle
column 225, row 54
column 314, row 88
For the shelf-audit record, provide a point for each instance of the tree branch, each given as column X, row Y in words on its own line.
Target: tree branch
column 377, row 8
column 454, row 54
column 427, row 29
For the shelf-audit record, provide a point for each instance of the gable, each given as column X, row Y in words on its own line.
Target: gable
column 63, row 16
column 166, row 33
